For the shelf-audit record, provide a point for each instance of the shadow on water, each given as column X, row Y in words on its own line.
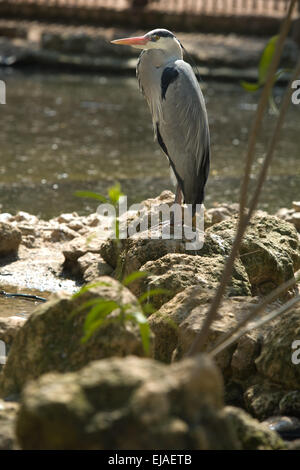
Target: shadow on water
column 61, row 133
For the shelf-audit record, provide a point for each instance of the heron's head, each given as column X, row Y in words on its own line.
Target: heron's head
column 156, row 39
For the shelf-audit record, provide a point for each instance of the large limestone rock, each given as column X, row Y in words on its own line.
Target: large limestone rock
column 176, row 272
column 128, row 403
column 275, row 361
column 10, row 239
column 177, row 323
column 50, row 340
column 270, row 250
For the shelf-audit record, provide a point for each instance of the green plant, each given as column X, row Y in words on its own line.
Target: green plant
column 263, row 70
column 100, row 309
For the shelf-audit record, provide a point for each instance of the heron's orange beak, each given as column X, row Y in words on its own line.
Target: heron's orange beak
column 136, row 41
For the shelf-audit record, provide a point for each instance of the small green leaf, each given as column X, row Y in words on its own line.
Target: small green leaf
column 266, row 59
column 98, row 324
column 145, row 332
column 114, row 193
column 91, row 195
column 250, row 86
column 89, row 287
column 153, row 293
column 99, row 311
column 84, row 306
column 133, row 277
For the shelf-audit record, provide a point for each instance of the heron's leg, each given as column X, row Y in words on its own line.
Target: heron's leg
column 178, row 200
column 178, row 195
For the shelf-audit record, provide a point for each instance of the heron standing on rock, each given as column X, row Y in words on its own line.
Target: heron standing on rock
column 178, row 111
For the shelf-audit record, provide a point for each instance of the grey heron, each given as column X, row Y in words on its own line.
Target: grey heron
column 178, row 111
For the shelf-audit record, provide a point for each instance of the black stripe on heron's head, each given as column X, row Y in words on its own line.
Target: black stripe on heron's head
column 162, row 33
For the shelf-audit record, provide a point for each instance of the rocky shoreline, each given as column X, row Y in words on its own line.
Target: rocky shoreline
column 60, row 393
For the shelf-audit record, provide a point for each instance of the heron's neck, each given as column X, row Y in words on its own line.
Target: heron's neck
column 161, row 57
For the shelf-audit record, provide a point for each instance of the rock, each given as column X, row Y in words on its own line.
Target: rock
column 175, row 272
column 291, row 215
column 296, row 220
column 275, row 361
column 296, row 206
column 231, row 312
column 60, row 233
column 287, row 427
column 243, row 359
column 22, row 216
column 128, row 403
column 5, row 217
column 10, row 239
column 136, row 252
column 177, row 323
column 262, row 400
column 82, row 259
column 222, row 212
column 290, row 405
column 9, row 326
column 91, row 266
column 270, row 251
column 8, row 411
column 252, row 434
column 50, row 340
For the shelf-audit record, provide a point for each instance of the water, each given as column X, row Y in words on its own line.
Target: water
column 62, row 132
column 17, row 305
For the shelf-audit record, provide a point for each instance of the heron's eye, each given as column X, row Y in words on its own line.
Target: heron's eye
column 155, row 37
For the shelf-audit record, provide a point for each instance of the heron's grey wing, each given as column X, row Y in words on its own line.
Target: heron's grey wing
column 183, row 131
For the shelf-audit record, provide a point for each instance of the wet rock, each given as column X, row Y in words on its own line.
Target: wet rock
column 287, row 427
column 270, row 250
column 178, row 322
column 10, row 239
column 290, row 404
column 275, row 361
column 262, row 400
column 50, row 340
column 128, row 403
column 8, row 411
column 252, row 434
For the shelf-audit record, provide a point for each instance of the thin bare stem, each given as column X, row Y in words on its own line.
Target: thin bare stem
column 262, row 106
column 256, row 310
column 262, row 176
column 198, row 343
